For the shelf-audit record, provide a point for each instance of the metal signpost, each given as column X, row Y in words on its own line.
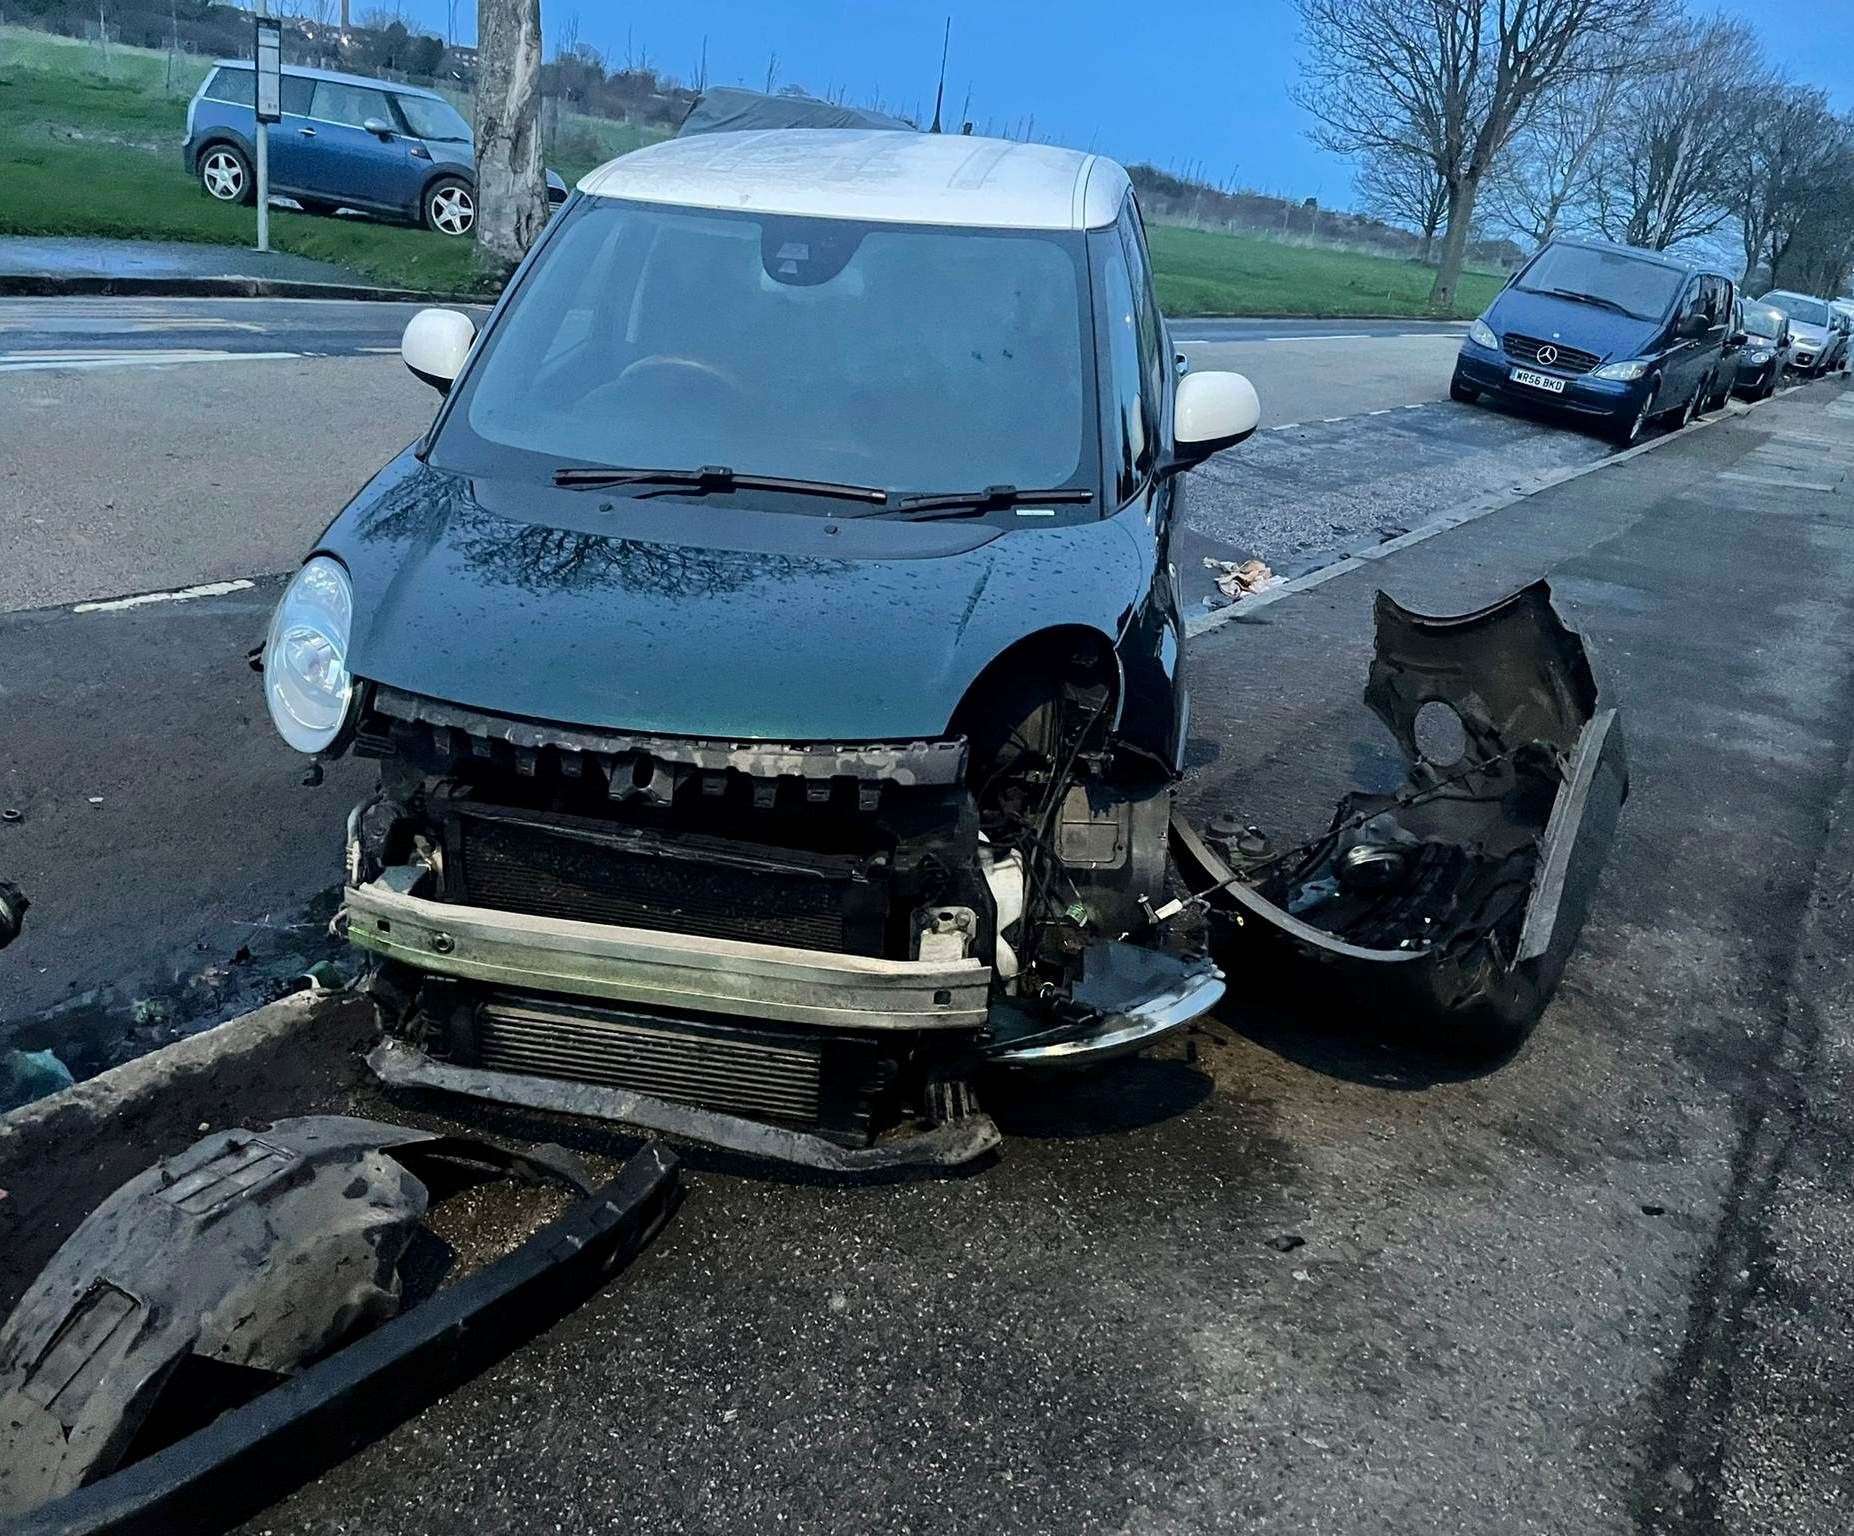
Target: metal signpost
column 269, row 104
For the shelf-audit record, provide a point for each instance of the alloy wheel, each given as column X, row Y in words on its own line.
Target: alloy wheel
column 223, row 175
column 453, row 210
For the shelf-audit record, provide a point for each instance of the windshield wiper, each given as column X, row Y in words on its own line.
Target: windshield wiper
column 1591, row 298
column 925, row 506
column 711, row 479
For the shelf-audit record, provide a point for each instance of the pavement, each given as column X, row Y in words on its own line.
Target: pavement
column 44, row 256
column 1600, row 1286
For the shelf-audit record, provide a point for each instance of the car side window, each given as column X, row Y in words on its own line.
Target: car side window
column 1146, row 317
column 349, row 104
column 234, row 87
column 1128, row 445
column 297, row 93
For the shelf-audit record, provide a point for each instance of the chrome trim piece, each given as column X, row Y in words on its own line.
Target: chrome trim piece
column 1121, row 1034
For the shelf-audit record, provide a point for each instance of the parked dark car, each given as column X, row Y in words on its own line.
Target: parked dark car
column 1812, row 329
column 778, row 699
column 1765, row 356
column 1731, row 358
column 345, row 141
column 1606, row 333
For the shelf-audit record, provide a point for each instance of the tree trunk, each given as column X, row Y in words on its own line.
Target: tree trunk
column 511, row 185
column 1461, row 195
column 1429, row 244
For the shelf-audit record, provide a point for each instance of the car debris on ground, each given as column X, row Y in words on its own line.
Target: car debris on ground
column 237, row 1315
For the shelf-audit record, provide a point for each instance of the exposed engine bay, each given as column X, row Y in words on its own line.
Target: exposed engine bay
column 715, row 938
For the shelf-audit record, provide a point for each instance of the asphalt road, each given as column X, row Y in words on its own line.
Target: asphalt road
column 1603, row 1286
column 1306, row 1276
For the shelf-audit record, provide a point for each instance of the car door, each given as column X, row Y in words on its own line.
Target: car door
column 351, row 163
column 1686, row 357
column 291, row 140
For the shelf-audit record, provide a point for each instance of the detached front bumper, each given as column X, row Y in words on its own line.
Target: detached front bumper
column 1584, row 395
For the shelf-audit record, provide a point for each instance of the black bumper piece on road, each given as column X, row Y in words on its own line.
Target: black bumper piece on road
column 247, row 1458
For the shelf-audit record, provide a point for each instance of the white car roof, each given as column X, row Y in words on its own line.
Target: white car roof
column 871, row 173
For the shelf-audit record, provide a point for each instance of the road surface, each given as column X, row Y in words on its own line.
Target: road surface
column 1602, row 1287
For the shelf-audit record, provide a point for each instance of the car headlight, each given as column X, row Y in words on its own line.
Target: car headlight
column 1481, row 334
column 306, row 681
column 1622, row 373
column 1762, row 355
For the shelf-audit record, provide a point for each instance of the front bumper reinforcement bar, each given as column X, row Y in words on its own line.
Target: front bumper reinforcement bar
column 668, row 970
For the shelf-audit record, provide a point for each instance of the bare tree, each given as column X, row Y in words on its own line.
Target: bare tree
column 1665, row 174
column 511, row 186
column 1544, row 184
column 1785, row 159
column 1452, row 80
column 1404, row 189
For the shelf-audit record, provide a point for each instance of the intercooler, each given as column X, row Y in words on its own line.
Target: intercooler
column 605, row 872
column 781, row 1076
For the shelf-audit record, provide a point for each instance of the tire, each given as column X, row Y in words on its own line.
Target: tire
column 1465, row 394
column 226, row 175
column 1628, row 432
column 449, row 207
column 1692, row 408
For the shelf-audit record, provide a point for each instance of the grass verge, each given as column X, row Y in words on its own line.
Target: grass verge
column 1200, row 273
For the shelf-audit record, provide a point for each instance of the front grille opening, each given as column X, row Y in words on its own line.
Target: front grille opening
column 666, row 882
column 1564, row 359
column 770, row 1073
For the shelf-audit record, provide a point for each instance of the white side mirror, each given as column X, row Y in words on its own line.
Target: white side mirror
column 435, row 345
column 1212, row 411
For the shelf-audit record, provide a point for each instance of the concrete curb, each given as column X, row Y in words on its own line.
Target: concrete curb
column 1358, row 559
column 235, row 1043
column 47, row 286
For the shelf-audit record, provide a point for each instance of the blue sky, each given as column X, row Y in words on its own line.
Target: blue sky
column 1201, row 82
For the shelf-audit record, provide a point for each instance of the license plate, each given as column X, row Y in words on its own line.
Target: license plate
column 1542, row 381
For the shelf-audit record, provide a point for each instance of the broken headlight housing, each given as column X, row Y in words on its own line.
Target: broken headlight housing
column 306, row 680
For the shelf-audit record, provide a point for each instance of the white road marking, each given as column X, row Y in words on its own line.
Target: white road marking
column 185, row 594
column 38, row 362
column 1384, row 412
column 1416, row 405
column 1286, row 426
column 1787, row 485
column 1332, row 418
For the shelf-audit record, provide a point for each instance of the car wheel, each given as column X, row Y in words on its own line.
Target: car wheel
column 1691, row 413
column 1466, row 394
column 225, row 173
column 1628, row 432
column 450, row 206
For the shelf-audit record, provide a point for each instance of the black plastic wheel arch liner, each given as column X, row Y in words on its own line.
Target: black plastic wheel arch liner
column 1514, row 675
column 249, row 1456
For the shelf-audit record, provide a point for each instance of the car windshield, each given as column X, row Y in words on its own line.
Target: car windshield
column 903, row 357
column 1640, row 288
column 1800, row 307
column 432, row 119
column 1767, row 323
